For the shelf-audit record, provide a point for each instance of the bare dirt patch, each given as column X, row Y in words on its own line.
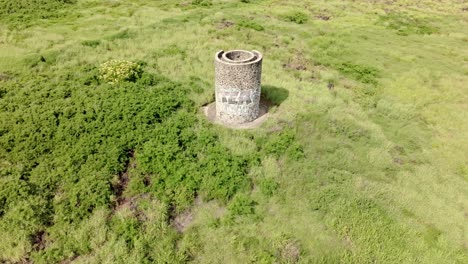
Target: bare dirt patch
column 225, row 24
column 323, row 17
column 296, row 64
column 69, row 260
column 132, row 204
column 39, row 240
column 120, row 186
column 182, row 221
column 4, row 77
column 290, row 252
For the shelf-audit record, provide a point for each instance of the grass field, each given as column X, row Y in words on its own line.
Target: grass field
column 363, row 158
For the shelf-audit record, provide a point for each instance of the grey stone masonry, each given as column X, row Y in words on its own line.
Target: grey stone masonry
column 238, row 85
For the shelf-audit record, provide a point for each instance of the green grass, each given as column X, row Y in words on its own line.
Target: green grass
column 369, row 170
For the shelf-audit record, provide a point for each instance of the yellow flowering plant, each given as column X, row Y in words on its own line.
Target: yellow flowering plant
column 117, row 71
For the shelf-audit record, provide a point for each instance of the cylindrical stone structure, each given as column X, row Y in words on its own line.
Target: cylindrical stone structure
column 238, row 85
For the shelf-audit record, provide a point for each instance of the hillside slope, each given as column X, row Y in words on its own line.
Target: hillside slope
column 363, row 158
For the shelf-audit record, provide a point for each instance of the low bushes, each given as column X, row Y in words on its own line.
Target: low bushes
column 296, row 17
column 20, row 13
column 405, row 24
column 63, row 142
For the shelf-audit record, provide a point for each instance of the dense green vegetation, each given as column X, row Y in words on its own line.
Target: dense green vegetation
column 23, row 13
column 105, row 156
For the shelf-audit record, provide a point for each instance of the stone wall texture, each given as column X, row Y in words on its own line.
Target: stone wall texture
column 238, row 85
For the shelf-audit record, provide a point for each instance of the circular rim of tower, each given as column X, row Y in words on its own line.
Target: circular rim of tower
column 228, row 56
column 257, row 56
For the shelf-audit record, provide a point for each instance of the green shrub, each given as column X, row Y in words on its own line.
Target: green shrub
column 250, row 24
column 282, row 143
column 362, row 73
column 127, row 229
column 198, row 85
column 124, row 34
column 204, row 3
column 65, row 142
column 405, row 24
column 346, row 126
column 41, row 8
column 91, row 43
column 186, row 161
column 241, row 204
column 296, row 17
column 268, row 186
column 117, row 71
column 90, row 135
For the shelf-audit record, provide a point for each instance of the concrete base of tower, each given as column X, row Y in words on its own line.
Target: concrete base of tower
column 210, row 112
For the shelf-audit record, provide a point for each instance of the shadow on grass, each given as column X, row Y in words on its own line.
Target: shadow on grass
column 275, row 95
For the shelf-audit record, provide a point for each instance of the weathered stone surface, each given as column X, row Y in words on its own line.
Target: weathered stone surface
column 238, row 85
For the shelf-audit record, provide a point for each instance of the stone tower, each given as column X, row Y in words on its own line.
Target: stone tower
column 238, row 85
